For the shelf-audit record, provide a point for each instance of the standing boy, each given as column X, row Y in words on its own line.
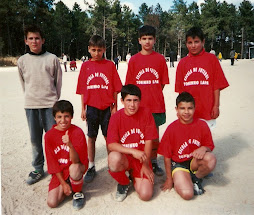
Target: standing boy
column 41, row 79
column 66, row 153
column 130, row 134
column 186, row 146
column 201, row 75
column 98, row 85
column 148, row 70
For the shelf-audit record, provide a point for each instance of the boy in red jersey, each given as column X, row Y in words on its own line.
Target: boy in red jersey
column 130, row 134
column 66, row 153
column 98, row 85
column 201, row 75
column 186, row 146
column 148, row 70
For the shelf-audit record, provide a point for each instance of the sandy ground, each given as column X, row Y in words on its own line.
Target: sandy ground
column 229, row 191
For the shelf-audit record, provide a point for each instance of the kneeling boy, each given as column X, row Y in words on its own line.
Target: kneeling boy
column 130, row 134
column 186, row 146
column 66, row 153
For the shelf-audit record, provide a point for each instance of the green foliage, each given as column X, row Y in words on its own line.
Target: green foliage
column 68, row 30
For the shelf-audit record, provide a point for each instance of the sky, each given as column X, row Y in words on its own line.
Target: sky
column 135, row 4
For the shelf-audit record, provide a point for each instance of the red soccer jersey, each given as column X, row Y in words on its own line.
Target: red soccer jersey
column 132, row 131
column 200, row 75
column 149, row 72
column 57, row 153
column 180, row 140
column 98, row 80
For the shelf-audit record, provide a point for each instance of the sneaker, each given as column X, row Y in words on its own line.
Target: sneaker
column 90, row 174
column 78, row 200
column 157, row 170
column 121, row 192
column 34, row 177
column 197, row 185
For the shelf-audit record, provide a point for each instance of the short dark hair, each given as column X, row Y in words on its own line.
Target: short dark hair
column 33, row 29
column 98, row 41
column 63, row 106
column 195, row 32
column 130, row 89
column 185, row 97
column 146, row 30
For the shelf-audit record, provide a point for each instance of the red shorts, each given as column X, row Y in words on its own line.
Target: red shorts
column 135, row 166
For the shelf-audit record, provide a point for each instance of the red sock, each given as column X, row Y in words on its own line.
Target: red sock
column 120, row 177
column 76, row 185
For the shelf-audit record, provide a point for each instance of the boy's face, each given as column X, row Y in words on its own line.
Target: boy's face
column 185, row 112
column 147, row 42
column 96, row 52
column 131, row 104
column 194, row 45
column 34, row 41
column 63, row 120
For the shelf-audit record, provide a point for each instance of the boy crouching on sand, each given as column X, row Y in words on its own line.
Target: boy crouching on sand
column 66, row 153
column 186, row 146
column 130, row 134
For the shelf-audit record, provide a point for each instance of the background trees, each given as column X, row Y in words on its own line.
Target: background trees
column 68, row 31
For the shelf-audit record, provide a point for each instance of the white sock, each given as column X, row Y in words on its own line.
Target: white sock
column 91, row 164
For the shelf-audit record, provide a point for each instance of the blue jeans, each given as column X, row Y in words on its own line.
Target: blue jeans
column 38, row 119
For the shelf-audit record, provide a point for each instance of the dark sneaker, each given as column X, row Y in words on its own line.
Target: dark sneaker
column 197, row 185
column 34, row 177
column 90, row 174
column 78, row 200
column 157, row 170
column 121, row 192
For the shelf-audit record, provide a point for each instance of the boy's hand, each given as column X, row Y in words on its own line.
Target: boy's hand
column 215, row 112
column 66, row 139
column 140, row 155
column 146, row 170
column 67, row 189
column 200, row 152
column 167, row 185
column 113, row 110
column 83, row 114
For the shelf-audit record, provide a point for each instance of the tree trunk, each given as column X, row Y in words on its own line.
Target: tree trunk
column 112, row 45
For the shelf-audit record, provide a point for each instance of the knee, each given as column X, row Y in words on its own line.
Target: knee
column 186, row 194
column 145, row 195
column 114, row 161
column 210, row 161
column 52, row 203
column 75, row 171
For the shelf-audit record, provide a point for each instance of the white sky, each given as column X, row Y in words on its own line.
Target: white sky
column 135, row 4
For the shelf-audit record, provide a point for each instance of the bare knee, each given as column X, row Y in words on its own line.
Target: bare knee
column 186, row 194
column 52, row 203
column 145, row 195
column 114, row 161
column 210, row 161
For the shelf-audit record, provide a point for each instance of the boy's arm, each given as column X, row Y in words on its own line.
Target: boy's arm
column 145, row 170
column 58, row 78
column 114, row 105
column 216, row 107
column 199, row 153
column 169, row 181
column 74, row 157
column 117, row 147
column 21, row 78
column 66, row 187
column 83, row 108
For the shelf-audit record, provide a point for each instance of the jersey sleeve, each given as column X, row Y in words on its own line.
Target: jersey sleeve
column 113, row 133
column 116, row 80
column 165, row 144
column 220, row 81
column 78, row 140
column 81, row 85
column 130, row 79
column 164, row 77
column 207, row 139
column 179, row 78
column 52, row 163
column 150, row 129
